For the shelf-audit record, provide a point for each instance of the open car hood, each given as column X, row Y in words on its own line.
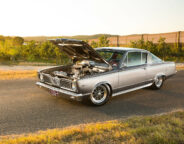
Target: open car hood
column 79, row 50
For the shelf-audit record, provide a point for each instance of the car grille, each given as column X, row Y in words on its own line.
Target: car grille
column 59, row 82
column 66, row 83
column 46, row 79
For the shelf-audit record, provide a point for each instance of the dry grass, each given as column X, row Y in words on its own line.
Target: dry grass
column 162, row 129
column 180, row 67
column 18, row 74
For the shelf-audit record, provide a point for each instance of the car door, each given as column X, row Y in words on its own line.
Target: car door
column 133, row 74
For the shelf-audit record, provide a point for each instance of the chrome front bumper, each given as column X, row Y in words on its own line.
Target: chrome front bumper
column 70, row 94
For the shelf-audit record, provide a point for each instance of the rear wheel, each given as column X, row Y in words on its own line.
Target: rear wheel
column 100, row 95
column 158, row 82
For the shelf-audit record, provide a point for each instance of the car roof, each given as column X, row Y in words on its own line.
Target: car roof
column 120, row 49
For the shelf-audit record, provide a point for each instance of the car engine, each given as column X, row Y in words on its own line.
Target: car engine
column 80, row 69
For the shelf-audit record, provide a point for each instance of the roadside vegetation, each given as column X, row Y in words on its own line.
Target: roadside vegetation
column 171, row 52
column 14, row 50
column 158, row 129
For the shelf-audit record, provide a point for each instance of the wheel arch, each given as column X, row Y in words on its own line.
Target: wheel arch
column 108, row 85
column 160, row 74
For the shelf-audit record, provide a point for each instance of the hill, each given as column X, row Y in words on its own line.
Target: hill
column 80, row 37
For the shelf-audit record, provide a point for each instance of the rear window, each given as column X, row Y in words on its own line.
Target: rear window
column 153, row 59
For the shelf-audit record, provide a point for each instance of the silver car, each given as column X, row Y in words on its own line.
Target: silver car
column 101, row 73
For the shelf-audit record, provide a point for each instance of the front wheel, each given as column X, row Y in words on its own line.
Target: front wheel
column 100, row 95
column 158, row 82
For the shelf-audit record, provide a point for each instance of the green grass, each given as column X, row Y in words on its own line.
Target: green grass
column 158, row 129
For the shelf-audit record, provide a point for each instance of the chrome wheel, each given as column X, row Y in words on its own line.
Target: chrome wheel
column 99, row 95
column 158, row 82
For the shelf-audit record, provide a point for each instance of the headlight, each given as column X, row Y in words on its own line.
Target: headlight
column 74, row 85
column 38, row 75
column 41, row 77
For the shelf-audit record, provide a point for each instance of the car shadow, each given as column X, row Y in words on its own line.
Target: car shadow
column 123, row 105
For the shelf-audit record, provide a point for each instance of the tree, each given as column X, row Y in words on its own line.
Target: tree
column 2, row 38
column 9, row 51
column 103, row 41
column 94, row 44
column 133, row 44
column 138, row 44
column 30, row 51
column 163, row 48
column 18, row 41
column 150, row 46
column 61, row 58
column 46, row 50
column 87, row 41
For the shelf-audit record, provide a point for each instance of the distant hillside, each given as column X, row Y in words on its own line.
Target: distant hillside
column 124, row 40
column 80, row 37
column 39, row 38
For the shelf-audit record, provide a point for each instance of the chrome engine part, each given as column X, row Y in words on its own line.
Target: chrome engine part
column 60, row 73
column 80, row 69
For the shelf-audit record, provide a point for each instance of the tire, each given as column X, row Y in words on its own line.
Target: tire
column 158, row 82
column 100, row 95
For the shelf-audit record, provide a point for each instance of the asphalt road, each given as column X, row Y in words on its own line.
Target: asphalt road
column 26, row 108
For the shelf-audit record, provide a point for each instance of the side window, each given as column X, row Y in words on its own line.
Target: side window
column 134, row 59
column 153, row 59
column 144, row 58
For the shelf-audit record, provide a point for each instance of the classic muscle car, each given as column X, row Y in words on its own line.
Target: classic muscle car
column 101, row 73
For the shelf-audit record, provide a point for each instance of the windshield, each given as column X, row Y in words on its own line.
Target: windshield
column 112, row 57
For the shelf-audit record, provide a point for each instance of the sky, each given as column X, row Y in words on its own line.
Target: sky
column 87, row 17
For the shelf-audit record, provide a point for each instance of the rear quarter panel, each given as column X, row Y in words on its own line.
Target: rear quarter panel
column 170, row 68
column 165, row 68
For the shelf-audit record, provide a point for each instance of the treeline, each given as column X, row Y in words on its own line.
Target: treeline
column 79, row 37
column 14, row 49
column 162, row 49
column 102, row 42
